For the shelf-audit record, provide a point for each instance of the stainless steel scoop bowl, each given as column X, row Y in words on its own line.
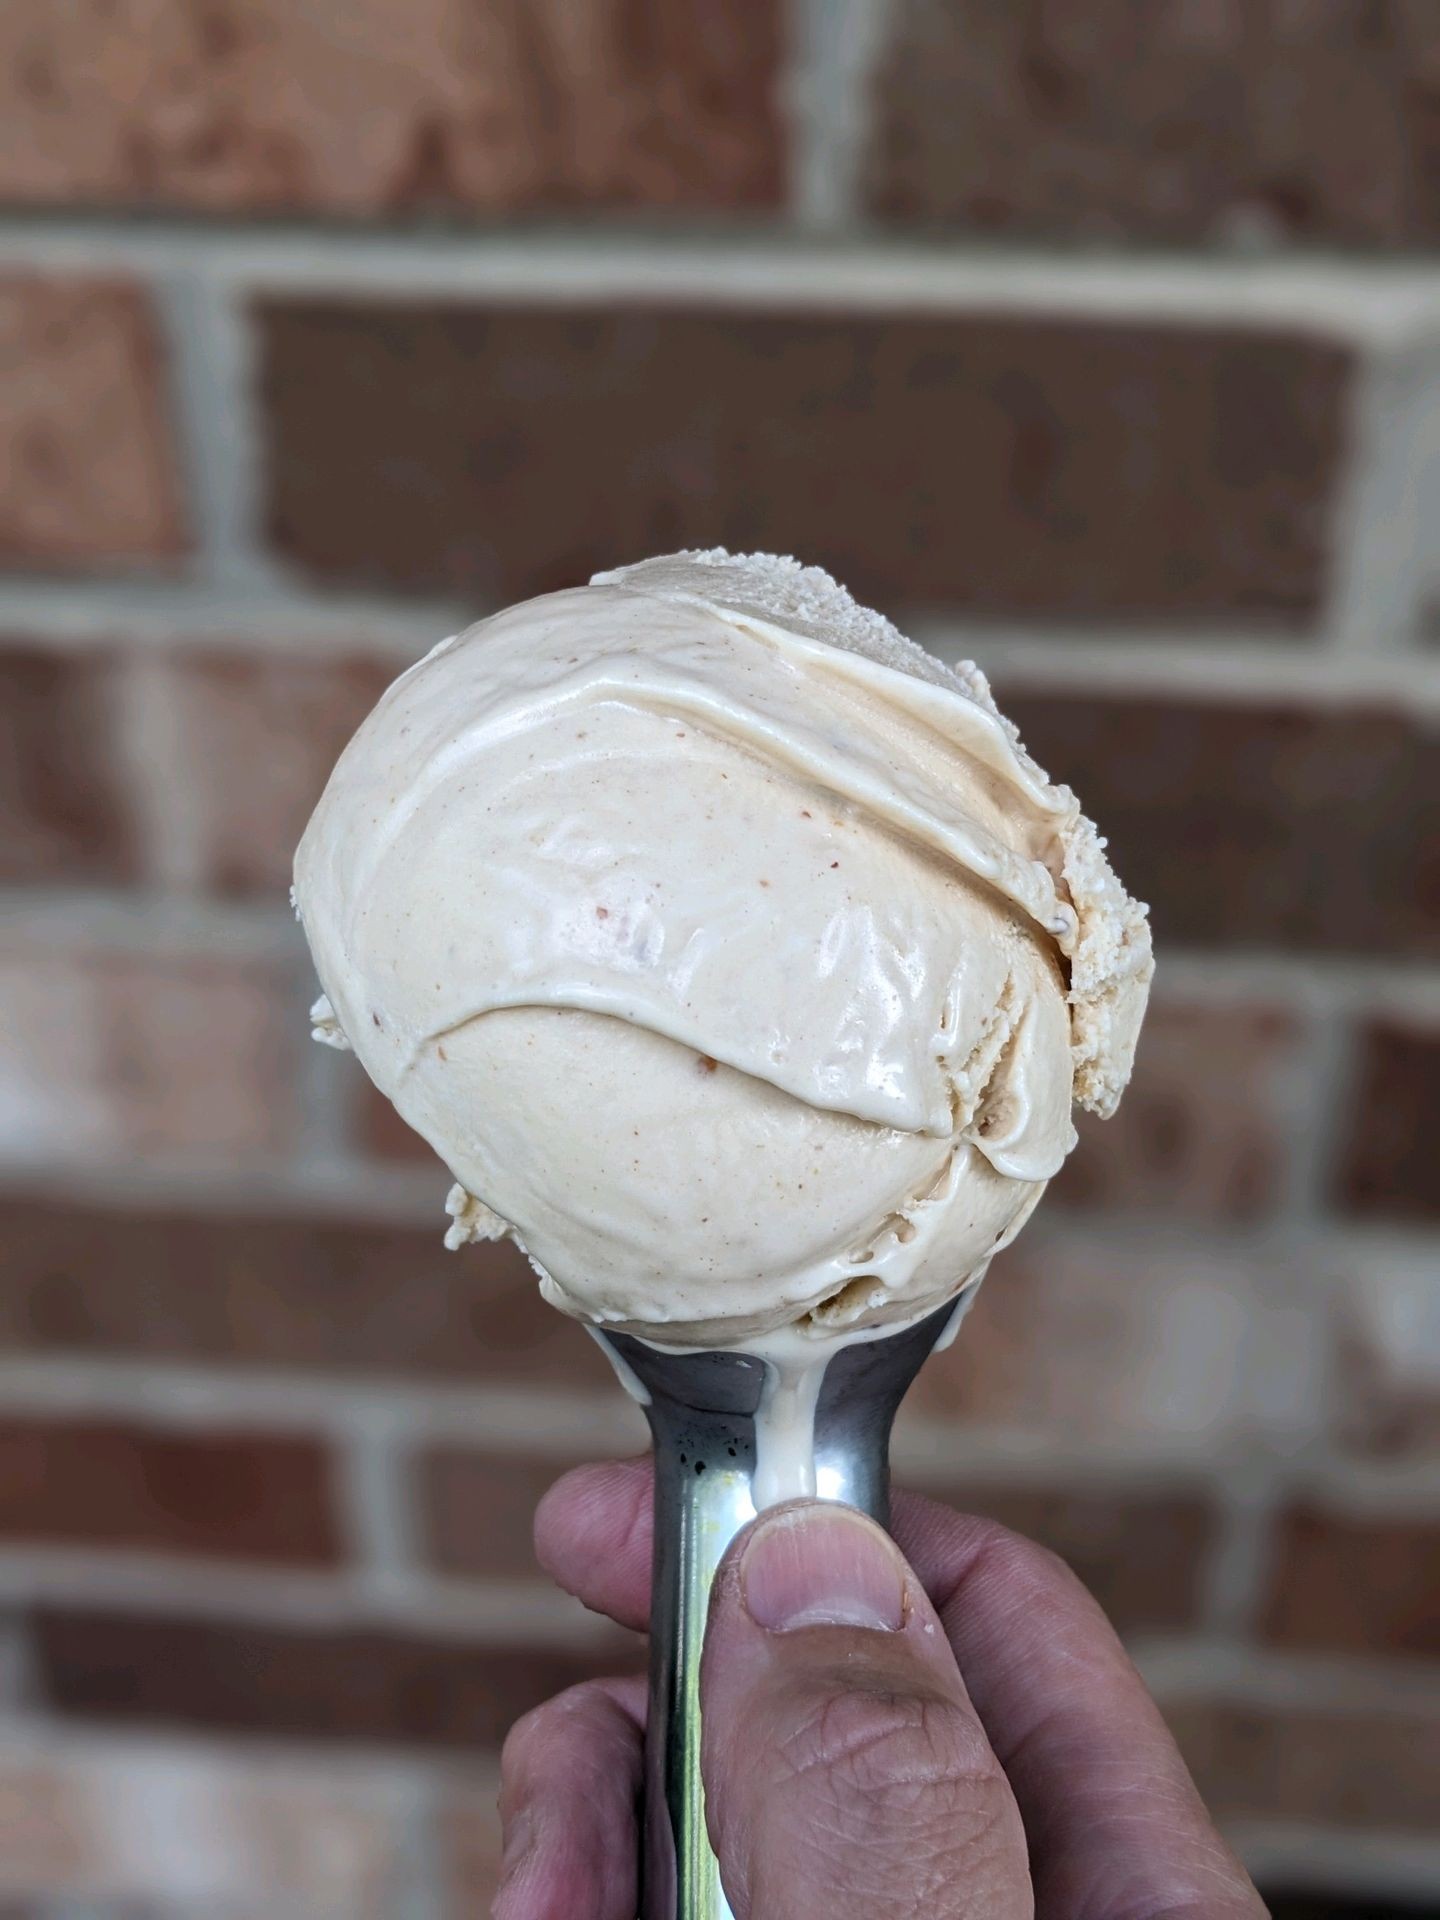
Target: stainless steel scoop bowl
column 701, row 1411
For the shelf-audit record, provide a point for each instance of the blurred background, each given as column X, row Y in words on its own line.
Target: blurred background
column 1099, row 341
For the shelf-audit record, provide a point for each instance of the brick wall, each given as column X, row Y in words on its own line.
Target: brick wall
column 312, row 344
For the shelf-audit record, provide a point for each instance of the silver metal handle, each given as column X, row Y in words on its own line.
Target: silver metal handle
column 702, row 1421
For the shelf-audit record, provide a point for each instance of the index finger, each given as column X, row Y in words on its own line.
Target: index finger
column 1117, row 1830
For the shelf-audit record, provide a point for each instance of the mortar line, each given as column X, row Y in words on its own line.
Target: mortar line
column 372, row 1463
column 1201, row 1667
column 88, row 1743
column 838, row 43
column 422, row 1893
column 483, row 1611
column 201, row 613
column 1322, row 1109
column 1223, row 665
column 562, row 1424
column 211, row 374
column 1334, row 1860
column 1241, row 1558
column 328, row 1088
column 1366, row 301
column 1388, row 510
column 157, row 776
column 157, row 921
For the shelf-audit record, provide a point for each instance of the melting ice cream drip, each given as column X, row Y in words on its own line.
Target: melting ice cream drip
column 630, row 1381
column 785, row 1423
column 795, row 1363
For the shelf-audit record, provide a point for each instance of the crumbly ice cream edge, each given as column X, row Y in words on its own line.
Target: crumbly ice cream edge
column 1111, row 964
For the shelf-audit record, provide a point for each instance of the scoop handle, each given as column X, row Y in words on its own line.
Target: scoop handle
column 702, row 1423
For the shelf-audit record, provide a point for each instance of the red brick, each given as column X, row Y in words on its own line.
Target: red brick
column 87, row 467
column 476, row 1510
column 108, row 1055
column 381, row 1131
column 360, row 1685
column 1107, row 469
column 1319, row 1768
column 256, row 736
column 1143, row 1554
column 115, row 1484
column 1387, row 1163
column 490, row 107
column 1167, row 122
column 1203, row 1128
column 64, row 811
column 1352, row 1585
column 1089, row 1340
column 1258, row 826
column 279, row 1293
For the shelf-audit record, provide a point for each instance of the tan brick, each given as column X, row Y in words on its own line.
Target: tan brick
column 255, row 737
column 109, row 1055
column 1240, row 825
column 1108, row 470
column 241, row 1496
column 43, row 1842
column 1387, row 1160
column 1204, row 1127
column 87, row 465
column 486, row 107
column 196, row 1832
column 1313, row 1766
column 1172, row 121
column 367, row 1298
column 360, row 1685
column 1350, row 1584
column 1130, row 1342
column 64, row 810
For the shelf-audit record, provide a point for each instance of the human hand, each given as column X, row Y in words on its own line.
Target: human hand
column 955, row 1733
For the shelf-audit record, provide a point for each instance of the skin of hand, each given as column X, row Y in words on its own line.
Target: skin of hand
column 945, row 1726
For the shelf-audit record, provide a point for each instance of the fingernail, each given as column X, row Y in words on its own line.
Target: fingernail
column 822, row 1566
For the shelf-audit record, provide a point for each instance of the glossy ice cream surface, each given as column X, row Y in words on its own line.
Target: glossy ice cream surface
column 728, row 948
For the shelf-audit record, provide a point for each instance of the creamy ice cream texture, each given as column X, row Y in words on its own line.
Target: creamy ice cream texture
column 729, row 949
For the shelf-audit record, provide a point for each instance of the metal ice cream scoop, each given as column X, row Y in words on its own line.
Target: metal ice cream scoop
column 702, row 1412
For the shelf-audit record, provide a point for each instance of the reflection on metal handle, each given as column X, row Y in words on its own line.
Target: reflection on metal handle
column 702, row 1420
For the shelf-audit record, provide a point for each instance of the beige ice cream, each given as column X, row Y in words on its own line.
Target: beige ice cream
column 728, row 948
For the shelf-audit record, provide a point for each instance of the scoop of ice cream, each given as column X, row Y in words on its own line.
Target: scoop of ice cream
column 728, row 948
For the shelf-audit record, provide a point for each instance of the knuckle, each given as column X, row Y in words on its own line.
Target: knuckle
column 536, row 1732
column 521, row 1742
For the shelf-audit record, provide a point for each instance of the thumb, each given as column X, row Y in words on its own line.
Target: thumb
column 846, row 1772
